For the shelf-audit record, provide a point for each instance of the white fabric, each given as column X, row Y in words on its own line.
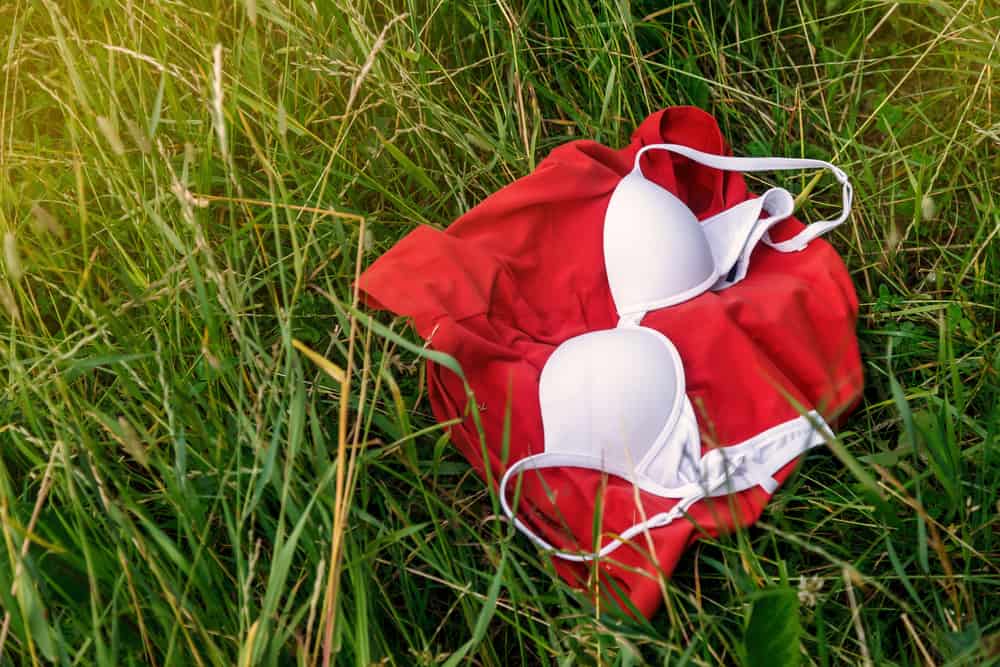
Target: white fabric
column 612, row 395
column 720, row 472
column 755, row 164
column 734, row 233
column 656, row 252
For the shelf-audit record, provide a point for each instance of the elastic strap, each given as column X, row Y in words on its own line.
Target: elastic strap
column 539, row 462
column 557, row 460
column 725, row 470
column 754, row 164
column 734, row 233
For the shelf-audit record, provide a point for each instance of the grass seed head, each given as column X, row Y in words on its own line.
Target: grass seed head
column 11, row 257
column 111, row 135
column 45, row 223
column 9, row 303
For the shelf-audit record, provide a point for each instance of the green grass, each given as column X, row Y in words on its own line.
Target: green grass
column 170, row 492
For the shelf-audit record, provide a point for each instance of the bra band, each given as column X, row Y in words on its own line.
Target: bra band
column 724, row 470
column 754, row 164
column 734, row 233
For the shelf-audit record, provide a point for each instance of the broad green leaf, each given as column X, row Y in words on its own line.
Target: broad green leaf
column 773, row 633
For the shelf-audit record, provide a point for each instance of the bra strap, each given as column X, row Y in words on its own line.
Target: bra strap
column 725, row 470
column 538, row 462
column 755, row 164
column 734, row 233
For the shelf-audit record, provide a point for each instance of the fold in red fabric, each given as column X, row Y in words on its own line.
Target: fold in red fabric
column 524, row 271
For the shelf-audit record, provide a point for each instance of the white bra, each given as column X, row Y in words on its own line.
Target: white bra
column 614, row 400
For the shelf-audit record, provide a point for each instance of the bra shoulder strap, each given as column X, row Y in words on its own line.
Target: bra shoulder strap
column 756, row 164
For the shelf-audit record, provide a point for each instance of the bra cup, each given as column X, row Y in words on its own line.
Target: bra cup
column 677, row 462
column 655, row 251
column 612, row 395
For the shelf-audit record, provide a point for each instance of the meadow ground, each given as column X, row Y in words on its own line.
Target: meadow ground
column 175, row 215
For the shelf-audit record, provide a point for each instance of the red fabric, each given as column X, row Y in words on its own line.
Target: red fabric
column 524, row 271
